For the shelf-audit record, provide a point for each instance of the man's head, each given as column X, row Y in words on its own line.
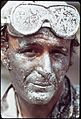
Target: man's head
column 36, row 48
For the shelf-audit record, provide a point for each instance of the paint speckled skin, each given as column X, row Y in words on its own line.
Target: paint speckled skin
column 37, row 70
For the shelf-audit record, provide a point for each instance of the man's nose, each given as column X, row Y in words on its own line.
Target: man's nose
column 45, row 62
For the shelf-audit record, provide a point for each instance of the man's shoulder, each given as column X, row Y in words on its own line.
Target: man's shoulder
column 8, row 104
column 76, row 92
column 76, row 100
column 77, row 88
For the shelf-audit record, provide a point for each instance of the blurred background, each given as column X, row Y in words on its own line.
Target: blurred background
column 73, row 73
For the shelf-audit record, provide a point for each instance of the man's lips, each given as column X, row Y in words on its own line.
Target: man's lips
column 39, row 82
column 42, row 83
column 39, row 78
column 39, row 88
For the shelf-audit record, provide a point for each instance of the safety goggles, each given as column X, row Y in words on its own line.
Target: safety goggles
column 29, row 18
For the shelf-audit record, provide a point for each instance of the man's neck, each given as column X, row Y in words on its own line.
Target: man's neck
column 33, row 111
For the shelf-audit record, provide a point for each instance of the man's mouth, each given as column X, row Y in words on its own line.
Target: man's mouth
column 40, row 79
column 38, row 82
column 42, row 84
column 39, row 88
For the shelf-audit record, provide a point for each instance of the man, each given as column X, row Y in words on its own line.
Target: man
column 37, row 40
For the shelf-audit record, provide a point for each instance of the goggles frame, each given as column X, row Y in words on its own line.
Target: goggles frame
column 29, row 18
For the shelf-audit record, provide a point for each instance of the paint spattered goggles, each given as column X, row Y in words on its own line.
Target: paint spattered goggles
column 29, row 18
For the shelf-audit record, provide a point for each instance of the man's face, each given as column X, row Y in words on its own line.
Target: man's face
column 39, row 62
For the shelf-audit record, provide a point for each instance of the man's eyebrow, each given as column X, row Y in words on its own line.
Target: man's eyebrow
column 55, row 46
column 60, row 47
column 30, row 41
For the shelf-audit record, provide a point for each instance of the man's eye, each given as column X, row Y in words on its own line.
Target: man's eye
column 30, row 51
column 57, row 53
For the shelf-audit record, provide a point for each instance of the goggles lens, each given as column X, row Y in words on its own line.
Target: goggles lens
column 28, row 19
column 64, row 20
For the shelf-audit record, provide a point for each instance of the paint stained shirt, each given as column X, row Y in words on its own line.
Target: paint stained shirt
column 66, row 107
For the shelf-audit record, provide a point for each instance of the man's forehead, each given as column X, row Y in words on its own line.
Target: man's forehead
column 43, row 36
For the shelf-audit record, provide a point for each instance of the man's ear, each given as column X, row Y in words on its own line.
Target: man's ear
column 4, row 57
column 4, row 48
column 4, row 42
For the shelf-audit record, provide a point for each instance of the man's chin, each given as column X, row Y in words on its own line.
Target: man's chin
column 36, row 94
column 39, row 97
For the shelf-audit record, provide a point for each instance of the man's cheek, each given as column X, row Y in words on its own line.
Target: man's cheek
column 61, row 67
column 19, row 61
column 16, row 76
column 20, row 67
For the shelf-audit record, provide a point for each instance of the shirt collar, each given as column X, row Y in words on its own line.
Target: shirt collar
column 9, row 104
